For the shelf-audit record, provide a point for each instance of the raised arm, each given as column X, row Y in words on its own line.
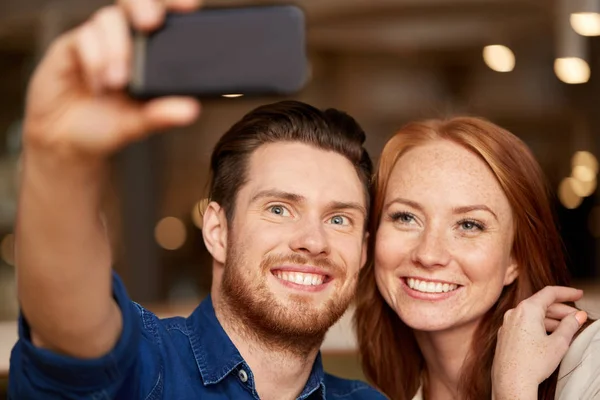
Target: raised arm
column 77, row 116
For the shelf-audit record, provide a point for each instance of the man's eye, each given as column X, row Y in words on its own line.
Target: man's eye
column 339, row 220
column 279, row 210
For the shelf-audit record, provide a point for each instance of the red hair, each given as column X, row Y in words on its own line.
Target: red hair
column 390, row 356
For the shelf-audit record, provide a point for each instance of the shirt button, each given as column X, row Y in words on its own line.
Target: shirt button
column 243, row 376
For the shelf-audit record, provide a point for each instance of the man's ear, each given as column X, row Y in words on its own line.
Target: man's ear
column 214, row 231
column 365, row 249
column 512, row 272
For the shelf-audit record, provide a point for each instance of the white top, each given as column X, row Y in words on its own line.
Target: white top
column 419, row 395
column 579, row 373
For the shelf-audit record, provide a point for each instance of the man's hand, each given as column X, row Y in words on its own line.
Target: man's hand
column 76, row 106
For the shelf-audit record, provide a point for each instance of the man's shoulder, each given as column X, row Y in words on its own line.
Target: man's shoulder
column 155, row 323
column 349, row 389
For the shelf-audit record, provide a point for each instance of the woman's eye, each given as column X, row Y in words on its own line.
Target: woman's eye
column 469, row 225
column 403, row 217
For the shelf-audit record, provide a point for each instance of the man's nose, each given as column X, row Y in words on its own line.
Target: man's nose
column 310, row 238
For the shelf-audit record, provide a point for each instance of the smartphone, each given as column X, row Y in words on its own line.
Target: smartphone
column 256, row 50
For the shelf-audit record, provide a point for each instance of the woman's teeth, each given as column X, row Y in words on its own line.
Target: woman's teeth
column 430, row 287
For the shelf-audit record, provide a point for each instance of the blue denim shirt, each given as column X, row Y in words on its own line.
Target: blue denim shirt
column 168, row 359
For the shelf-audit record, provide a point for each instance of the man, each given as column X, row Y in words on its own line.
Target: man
column 286, row 229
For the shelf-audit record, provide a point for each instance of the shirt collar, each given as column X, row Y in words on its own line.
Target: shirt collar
column 315, row 382
column 217, row 356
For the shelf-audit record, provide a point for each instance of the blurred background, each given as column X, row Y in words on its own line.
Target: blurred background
column 531, row 66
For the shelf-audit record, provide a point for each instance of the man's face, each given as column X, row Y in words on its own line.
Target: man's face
column 296, row 242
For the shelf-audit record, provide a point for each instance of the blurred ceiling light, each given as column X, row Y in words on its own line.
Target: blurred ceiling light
column 582, row 188
column 170, row 233
column 233, row 95
column 585, row 159
column 567, row 196
column 198, row 212
column 585, row 16
column 583, row 173
column 586, row 23
column 570, row 64
column 499, row 58
column 7, row 249
column 572, row 70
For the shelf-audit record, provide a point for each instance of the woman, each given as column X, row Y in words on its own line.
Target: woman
column 463, row 232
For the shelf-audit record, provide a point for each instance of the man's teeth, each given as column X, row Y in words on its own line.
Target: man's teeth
column 430, row 287
column 300, row 278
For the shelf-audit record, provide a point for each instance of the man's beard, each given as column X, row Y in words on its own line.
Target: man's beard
column 293, row 325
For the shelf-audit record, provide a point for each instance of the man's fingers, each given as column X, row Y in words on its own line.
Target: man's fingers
column 183, row 5
column 131, row 121
column 555, row 294
column 145, row 15
column 112, row 26
column 90, row 51
column 170, row 112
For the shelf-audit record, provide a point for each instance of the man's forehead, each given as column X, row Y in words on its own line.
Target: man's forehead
column 303, row 170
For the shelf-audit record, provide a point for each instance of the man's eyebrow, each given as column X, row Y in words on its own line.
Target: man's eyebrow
column 343, row 205
column 279, row 194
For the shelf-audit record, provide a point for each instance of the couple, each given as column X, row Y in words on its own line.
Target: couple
column 455, row 303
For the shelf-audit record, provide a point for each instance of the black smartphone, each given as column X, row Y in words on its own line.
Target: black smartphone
column 258, row 50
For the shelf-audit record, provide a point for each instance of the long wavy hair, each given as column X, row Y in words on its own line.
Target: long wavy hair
column 390, row 356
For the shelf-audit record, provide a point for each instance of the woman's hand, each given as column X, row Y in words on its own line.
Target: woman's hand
column 526, row 354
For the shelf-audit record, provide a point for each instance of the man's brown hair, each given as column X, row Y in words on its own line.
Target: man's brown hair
column 285, row 121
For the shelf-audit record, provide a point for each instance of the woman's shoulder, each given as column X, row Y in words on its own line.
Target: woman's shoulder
column 579, row 373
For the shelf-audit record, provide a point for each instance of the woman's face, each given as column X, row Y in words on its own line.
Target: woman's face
column 443, row 247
